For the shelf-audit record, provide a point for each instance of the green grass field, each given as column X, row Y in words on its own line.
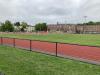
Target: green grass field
column 20, row 62
column 82, row 39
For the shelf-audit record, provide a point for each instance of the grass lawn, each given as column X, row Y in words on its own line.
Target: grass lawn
column 83, row 39
column 20, row 62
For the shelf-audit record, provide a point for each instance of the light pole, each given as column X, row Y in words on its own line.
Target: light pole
column 85, row 20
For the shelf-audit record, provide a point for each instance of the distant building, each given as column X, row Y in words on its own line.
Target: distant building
column 88, row 28
column 29, row 28
column 74, row 28
column 62, row 27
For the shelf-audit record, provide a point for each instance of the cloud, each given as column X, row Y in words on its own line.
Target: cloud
column 50, row 11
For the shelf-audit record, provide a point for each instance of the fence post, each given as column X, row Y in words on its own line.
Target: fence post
column 14, row 42
column 1, row 41
column 56, row 49
column 30, row 45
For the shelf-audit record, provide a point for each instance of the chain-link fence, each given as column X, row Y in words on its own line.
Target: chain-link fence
column 83, row 53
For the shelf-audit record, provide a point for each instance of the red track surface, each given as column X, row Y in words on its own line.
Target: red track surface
column 7, row 41
column 45, row 47
column 0, row 41
column 83, row 52
column 22, row 43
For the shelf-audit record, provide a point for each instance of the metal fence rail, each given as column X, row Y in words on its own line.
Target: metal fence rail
column 90, row 54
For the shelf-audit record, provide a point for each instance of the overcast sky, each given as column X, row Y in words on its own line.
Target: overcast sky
column 50, row 11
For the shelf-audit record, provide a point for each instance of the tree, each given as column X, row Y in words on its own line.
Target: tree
column 17, row 24
column 2, row 27
column 97, row 23
column 7, row 26
column 23, row 26
column 92, row 23
column 41, row 27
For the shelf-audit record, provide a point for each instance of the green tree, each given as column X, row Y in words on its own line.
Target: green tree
column 7, row 26
column 91, row 23
column 41, row 27
column 2, row 27
column 23, row 26
column 97, row 23
column 17, row 24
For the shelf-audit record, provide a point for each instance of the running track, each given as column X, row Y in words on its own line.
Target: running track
column 88, row 54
